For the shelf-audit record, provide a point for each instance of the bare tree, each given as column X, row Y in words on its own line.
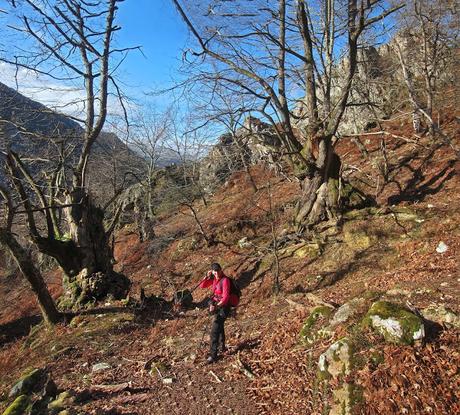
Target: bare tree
column 149, row 131
column 71, row 41
column 426, row 49
column 268, row 53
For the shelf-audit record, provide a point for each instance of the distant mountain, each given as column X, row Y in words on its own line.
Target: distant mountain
column 41, row 135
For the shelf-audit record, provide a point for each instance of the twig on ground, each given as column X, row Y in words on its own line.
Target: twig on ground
column 219, row 380
column 243, row 368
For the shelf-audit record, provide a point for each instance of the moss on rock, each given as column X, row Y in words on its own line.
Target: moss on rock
column 19, row 406
column 62, row 401
column 397, row 324
column 357, row 239
column 308, row 251
column 442, row 315
column 308, row 333
column 335, row 362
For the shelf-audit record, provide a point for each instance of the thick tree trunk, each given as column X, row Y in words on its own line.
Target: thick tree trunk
column 86, row 256
column 320, row 196
column 324, row 196
column 46, row 303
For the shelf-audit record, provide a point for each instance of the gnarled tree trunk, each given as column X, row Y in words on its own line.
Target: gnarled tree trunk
column 320, row 199
column 85, row 254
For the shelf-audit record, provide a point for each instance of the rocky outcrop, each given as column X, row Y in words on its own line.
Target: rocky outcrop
column 252, row 143
column 378, row 88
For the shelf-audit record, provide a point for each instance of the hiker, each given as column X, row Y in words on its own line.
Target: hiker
column 219, row 306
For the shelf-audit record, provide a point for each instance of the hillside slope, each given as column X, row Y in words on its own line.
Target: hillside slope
column 154, row 353
column 42, row 136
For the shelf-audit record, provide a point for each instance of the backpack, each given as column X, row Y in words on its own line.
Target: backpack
column 234, row 289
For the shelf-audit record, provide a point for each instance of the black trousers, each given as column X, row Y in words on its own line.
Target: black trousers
column 218, row 330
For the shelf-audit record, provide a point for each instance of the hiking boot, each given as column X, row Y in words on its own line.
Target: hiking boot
column 210, row 360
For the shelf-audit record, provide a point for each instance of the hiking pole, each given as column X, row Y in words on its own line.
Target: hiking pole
column 203, row 279
column 205, row 329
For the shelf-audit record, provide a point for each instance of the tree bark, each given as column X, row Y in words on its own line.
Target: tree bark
column 320, row 199
column 50, row 313
column 85, row 254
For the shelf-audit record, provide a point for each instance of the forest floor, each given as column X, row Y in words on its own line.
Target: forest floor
column 155, row 355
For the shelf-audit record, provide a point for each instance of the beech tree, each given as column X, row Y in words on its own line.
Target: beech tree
column 69, row 41
column 295, row 51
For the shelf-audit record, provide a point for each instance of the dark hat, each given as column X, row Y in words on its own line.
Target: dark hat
column 216, row 267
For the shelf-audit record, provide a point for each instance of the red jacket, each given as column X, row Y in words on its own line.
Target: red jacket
column 221, row 291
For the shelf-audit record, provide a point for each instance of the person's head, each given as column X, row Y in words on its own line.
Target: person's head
column 216, row 270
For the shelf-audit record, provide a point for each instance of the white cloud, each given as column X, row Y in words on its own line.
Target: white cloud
column 59, row 96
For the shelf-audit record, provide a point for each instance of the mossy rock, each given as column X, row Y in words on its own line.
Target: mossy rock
column 303, row 250
column 307, row 251
column 403, row 213
column 362, row 213
column 309, row 334
column 31, row 381
column 342, row 400
column 62, row 401
column 397, row 324
column 336, row 361
column 442, row 315
column 19, row 407
column 357, row 239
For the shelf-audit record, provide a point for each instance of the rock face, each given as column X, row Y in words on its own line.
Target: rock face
column 255, row 141
column 395, row 323
column 378, row 80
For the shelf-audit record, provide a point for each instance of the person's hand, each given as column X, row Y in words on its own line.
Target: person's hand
column 209, row 275
column 212, row 308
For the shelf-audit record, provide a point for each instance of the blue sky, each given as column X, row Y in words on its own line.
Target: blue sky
column 152, row 24
column 156, row 26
